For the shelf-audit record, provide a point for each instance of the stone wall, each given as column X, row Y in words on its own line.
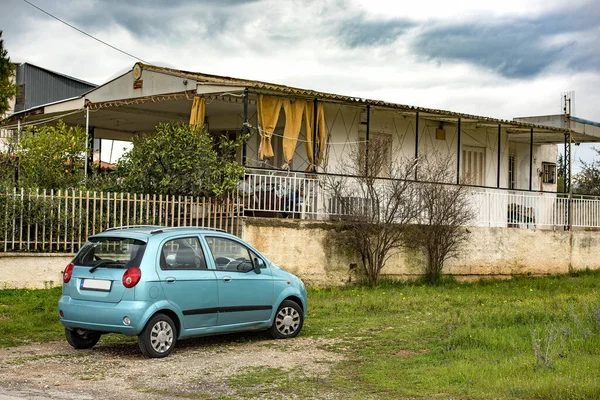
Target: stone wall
column 310, row 249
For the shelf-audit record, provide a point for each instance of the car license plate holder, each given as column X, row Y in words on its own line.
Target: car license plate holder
column 98, row 285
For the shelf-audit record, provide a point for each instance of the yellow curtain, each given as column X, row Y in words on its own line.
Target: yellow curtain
column 268, row 114
column 198, row 111
column 293, row 123
column 321, row 135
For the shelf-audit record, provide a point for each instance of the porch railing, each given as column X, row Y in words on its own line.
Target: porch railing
column 299, row 195
column 280, row 194
column 61, row 221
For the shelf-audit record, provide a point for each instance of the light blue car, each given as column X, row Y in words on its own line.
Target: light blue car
column 164, row 284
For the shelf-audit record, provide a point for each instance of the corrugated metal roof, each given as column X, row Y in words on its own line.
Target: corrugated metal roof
column 307, row 93
column 41, row 86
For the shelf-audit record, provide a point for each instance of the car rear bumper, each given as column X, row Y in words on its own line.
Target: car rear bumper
column 104, row 317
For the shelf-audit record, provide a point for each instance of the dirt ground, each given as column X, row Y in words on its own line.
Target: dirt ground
column 199, row 368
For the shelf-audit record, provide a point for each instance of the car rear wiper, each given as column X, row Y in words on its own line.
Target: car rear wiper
column 101, row 263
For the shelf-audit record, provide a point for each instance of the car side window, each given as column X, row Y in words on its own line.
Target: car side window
column 182, row 253
column 229, row 255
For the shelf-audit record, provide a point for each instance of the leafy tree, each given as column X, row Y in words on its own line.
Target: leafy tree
column 560, row 173
column 587, row 181
column 50, row 157
column 8, row 89
column 178, row 159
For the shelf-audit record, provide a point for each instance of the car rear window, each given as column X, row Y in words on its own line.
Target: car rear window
column 107, row 252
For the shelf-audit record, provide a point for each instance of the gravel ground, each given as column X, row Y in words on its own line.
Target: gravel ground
column 198, row 367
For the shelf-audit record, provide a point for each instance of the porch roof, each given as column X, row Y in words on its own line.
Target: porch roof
column 206, row 83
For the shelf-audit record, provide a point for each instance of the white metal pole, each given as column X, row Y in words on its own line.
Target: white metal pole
column 87, row 132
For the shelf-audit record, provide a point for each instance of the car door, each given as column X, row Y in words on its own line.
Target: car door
column 187, row 281
column 245, row 292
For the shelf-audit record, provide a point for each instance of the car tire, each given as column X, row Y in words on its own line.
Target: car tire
column 288, row 320
column 80, row 339
column 158, row 338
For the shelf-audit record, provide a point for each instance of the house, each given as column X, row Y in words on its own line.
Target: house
column 37, row 86
column 298, row 135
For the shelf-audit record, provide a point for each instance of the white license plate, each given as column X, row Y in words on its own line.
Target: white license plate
column 101, row 285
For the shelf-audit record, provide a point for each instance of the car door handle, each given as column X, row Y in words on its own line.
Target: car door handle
column 170, row 279
column 226, row 279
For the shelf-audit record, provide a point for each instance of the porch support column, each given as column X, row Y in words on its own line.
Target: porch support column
column 530, row 159
column 245, row 126
column 87, row 142
column 367, row 137
column 458, row 153
column 499, row 154
column 567, row 165
column 314, row 135
column 416, row 145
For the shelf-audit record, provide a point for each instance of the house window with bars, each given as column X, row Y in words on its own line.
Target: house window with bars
column 549, row 172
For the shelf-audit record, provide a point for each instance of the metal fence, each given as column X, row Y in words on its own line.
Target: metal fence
column 280, row 194
column 60, row 221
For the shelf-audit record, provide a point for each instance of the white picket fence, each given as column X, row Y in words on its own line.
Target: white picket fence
column 61, row 221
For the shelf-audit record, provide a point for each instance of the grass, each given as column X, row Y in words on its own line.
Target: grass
column 526, row 338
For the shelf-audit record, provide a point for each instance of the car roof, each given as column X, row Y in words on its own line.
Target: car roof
column 144, row 232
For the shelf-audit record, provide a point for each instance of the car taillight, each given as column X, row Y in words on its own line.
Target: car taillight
column 131, row 277
column 67, row 273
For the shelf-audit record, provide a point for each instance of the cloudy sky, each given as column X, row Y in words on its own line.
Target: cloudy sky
column 495, row 58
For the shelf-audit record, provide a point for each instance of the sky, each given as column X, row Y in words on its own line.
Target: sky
column 500, row 59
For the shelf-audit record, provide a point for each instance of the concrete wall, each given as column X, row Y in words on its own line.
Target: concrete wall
column 310, row 250
column 33, row 270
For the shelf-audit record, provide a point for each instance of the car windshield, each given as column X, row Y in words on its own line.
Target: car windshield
column 107, row 252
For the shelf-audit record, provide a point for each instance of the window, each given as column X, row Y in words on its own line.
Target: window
column 511, row 172
column 111, row 253
column 548, row 172
column 230, row 255
column 182, row 253
column 473, row 165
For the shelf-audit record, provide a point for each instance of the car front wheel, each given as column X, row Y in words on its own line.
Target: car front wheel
column 81, row 339
column 158, row 337
column 288, row 320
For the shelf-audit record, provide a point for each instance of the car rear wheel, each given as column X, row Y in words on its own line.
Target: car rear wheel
column 288, row 320
column 158, row 337
column 81, row 339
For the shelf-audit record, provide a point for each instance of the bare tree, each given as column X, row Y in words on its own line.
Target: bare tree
column 446, row 212
column 375, row 205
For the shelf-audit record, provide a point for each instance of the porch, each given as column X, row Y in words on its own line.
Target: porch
column 298, row 195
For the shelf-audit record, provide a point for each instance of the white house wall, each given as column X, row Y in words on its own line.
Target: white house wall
column 153, row 83
column 346, row 126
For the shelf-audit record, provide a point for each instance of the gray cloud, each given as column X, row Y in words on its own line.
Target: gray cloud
column 515, row 48
column 358, row 32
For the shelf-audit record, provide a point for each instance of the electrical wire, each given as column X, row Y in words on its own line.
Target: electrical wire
column 85, row 33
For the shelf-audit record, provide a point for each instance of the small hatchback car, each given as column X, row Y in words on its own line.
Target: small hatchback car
column 164, row 284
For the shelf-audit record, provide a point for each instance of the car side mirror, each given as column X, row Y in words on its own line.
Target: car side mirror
column 258, row 264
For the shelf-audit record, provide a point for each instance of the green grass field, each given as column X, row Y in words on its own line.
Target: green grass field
column 526, row 338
